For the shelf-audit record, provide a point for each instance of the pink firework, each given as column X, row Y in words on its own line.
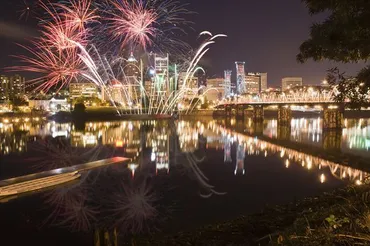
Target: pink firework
column 133, row 23
column 58, row 68
column 61, row 36
column 59, row 32
column 78, row 14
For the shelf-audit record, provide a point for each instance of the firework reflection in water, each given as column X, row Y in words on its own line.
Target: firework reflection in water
column 134, row 206
column 71, row 208
column 52, row 153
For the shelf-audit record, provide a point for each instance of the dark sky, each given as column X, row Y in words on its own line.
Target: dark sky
column 266, row 34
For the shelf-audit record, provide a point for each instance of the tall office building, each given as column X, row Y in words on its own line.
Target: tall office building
column 18, row 85
column 256, row 82
column 11, row 87
column 240, row 77
column 263, row 86
column 4, row 88
column 227, row 82
column 161, row 66
column 131, row 82
column 290, row 82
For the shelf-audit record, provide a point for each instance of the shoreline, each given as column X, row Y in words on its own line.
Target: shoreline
column 321, row 220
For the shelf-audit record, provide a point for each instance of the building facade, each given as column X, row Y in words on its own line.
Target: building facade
column 86, row 90
column 263, row 82
column 11, row 87
column 4, row 88
column 240, row 77
column 18, row 86
column 290, row 82
column 215, row 89
column 227, row 82
column 256, row 82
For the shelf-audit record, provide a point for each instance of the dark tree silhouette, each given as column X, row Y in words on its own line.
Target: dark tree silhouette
column 344, row 36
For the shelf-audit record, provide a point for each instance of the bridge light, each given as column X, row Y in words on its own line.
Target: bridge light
column 322, row 178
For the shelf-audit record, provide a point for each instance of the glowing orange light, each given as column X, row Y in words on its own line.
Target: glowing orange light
column 119, row 143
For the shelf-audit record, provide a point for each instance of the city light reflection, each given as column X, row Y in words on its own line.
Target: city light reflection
column 156, row 140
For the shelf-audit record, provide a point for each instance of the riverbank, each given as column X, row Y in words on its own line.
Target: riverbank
column 341, row 217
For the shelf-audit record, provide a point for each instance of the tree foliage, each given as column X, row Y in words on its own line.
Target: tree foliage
column 79, row 108
column 344, row 36
column 18, row 101
column 347, row 88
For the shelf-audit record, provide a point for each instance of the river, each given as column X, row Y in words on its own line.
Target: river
column 182, row 174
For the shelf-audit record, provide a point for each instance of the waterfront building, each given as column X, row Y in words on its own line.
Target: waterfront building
column 54, row 104
column 4, row 87
column 256, row 82
column 240, row 78
column 161, row 78
column 85, row 90
column 11, row 87
column 227, row 82
column 192, row 84
column 17, row 86
column 290, row 82
column 215, row 89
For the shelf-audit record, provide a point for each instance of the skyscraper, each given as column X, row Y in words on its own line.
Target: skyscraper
column 227, row 82
column 17, row 86
column 161, row 66
column 263, row 84
column 4, row 87
column 131, row 83
column 240, row 77
column 11, row 87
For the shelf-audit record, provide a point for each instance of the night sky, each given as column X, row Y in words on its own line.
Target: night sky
column 266, row 34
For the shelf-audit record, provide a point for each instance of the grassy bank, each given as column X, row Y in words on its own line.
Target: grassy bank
column 341, row 217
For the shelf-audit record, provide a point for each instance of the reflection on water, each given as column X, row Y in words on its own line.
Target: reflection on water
column 354, row 138
column 174, row 165
column 154, row 140
column 254, row 146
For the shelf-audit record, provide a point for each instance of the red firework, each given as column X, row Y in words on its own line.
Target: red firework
column 58, row 68
column 78, row 14
column 133, row 23
column 62, row 36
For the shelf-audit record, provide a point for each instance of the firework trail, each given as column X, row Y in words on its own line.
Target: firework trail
column 62, row 53
column 191, row 162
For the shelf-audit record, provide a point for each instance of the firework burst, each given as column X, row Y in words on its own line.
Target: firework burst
column 58, row 69
column 78, row 14
column 132, row 23
column 25, row 10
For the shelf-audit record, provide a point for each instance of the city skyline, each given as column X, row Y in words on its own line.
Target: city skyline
column 265, row 42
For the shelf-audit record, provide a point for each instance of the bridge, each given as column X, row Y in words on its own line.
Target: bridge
column 323, row 101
